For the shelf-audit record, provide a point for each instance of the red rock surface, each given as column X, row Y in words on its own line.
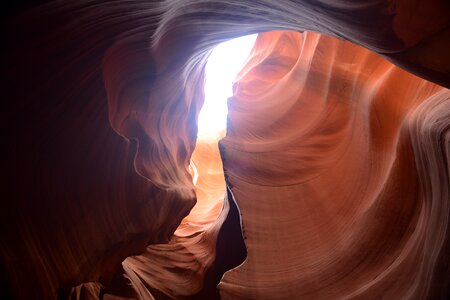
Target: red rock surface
column 337, row 198
column 336, row 161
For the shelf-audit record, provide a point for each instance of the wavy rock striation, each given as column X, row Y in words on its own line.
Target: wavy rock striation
column 337, row 159
column 336, row 195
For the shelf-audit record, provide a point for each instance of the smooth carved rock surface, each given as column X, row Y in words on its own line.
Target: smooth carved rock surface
column 337, row 198
column 336, row 160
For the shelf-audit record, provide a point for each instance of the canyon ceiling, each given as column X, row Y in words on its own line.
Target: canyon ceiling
column 330, row 182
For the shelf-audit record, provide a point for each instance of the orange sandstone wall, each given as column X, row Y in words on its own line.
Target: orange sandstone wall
column 348, row 153
column 338, row 196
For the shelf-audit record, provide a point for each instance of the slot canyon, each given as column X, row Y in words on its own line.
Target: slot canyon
column 331, row 180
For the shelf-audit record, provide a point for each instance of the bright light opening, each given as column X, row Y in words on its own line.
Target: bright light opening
column 226, row 60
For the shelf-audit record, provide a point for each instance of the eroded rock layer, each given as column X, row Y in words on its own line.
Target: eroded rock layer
column 337, row 198
column 337, row 159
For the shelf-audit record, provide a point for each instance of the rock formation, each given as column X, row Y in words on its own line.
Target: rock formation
column 336, row 157
column 321, row 153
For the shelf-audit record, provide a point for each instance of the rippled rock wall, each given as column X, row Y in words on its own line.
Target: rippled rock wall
column 338, row 197
column 336, row 160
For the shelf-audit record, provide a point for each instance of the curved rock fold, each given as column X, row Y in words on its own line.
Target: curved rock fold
column 331, row 181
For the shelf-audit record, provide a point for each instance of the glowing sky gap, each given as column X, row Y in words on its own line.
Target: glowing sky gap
column 225, row 62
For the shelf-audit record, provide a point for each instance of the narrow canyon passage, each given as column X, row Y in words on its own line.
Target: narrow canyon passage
column 223, row 65
column 306, row 109
column 208, row 240
column 331, row 180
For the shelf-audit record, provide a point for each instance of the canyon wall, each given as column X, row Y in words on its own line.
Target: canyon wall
column 339, row 199
column 336, row 160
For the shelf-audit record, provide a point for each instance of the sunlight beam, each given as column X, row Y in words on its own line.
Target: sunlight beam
column 226, row 60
